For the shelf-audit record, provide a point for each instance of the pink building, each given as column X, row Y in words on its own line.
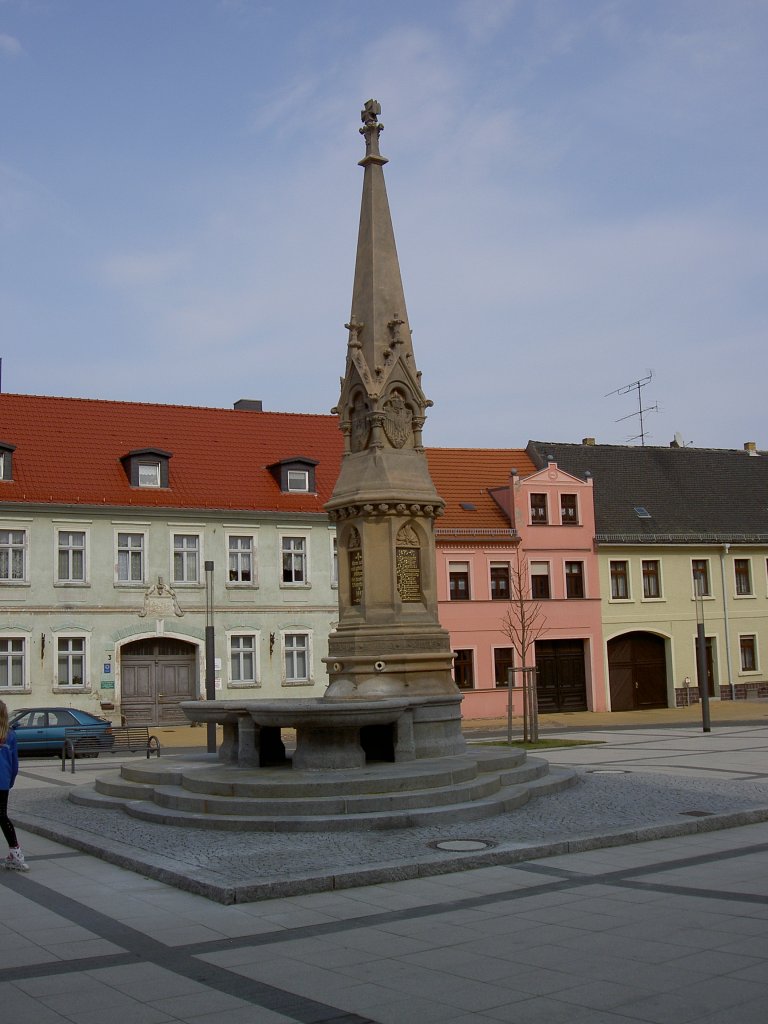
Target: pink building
column 501, row 514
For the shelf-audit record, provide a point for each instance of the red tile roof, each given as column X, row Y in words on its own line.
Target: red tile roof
column 68, row 451
column 465, row 475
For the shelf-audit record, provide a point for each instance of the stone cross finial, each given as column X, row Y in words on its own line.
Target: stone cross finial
column 370, row 114
column 371, row 129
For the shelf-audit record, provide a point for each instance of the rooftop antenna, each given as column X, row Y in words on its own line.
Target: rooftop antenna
column 637, row 385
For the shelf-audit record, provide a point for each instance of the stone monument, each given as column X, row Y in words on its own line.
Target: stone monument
column 388, row 642
column 383, row 747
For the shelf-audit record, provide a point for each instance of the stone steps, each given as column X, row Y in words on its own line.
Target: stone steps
column 467, row 787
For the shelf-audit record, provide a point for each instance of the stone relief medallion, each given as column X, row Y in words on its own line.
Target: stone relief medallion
column 160, row 602
column 397, row 420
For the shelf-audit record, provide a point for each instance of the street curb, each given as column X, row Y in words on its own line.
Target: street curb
column 198, row 879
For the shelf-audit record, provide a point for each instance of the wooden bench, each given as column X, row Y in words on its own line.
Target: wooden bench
column 84, row 742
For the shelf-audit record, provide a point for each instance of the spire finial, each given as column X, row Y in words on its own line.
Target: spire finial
column 371, row 129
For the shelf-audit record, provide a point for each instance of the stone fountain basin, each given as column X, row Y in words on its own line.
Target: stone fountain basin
column 328, row 732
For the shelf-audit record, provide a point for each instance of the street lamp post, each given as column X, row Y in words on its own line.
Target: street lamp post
column 210, row 654
column 701, row 648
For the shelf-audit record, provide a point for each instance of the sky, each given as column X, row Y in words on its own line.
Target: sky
column 578, row 192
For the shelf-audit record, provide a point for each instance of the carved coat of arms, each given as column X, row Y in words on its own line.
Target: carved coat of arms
column 397, row 420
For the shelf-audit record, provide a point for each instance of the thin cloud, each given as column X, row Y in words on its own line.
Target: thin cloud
column 10, row 45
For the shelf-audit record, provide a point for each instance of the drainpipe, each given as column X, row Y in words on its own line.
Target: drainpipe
column 723, row 553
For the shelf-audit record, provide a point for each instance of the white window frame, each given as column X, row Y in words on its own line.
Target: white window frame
column 548, row 575
column 285, row 649
column 69, row 581
column 461, row 568
column 246, row 534
column 8, row 657
column 9, row 548
column 659, row 576
column 69, row 635
column 472, row 651
column 613, row 598
column 131, row 531
column 185, row 582
column 748, row 671
column 294, row 476
column 532, row 519
column 291, row 535
column 577, row 503
column 254, row 636
column 709, row 595
column 509, row 646
column 500, row 564
column 157, row 476
column 582, row 575
column 751, row 592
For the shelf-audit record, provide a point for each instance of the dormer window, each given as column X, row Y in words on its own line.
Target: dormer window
column 296, row 475
column 147, row 467
column 6, row 460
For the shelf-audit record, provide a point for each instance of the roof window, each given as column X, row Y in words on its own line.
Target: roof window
column 296, row 475
column 147, row 467
column 6, row 460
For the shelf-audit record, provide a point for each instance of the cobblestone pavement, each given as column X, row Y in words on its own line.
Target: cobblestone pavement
column 633, row 785
column 602, row 929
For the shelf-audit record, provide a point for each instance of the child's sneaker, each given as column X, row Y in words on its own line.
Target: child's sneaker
column 15, row 861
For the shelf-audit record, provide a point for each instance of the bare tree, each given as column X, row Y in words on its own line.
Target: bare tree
column 523, row 624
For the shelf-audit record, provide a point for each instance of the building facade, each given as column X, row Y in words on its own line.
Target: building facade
column 511, row 531
column 126, row 528
column 682, row 537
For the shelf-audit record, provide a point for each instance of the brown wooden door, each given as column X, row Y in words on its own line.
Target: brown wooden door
column 561, row 681
column 156, row 676
column 637, row 672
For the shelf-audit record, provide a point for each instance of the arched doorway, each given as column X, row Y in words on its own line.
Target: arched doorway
column 637, row 672
column 156, row 675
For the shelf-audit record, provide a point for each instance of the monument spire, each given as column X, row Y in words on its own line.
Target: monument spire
column 388, row 641
column 378, row 325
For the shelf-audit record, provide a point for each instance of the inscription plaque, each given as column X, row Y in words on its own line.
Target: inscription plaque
column 356, row 576
column 408, row 571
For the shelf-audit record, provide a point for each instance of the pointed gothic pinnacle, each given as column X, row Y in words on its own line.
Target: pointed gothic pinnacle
column 371, row 129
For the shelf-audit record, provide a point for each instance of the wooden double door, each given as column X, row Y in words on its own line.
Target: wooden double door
column 561, row 679
column 637, row 672
column 157, row 674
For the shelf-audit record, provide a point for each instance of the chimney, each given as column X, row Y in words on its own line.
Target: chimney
column 248, row 404
column 750, row 448
column 588, row 440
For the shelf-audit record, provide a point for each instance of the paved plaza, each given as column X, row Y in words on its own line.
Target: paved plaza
column 564, row 914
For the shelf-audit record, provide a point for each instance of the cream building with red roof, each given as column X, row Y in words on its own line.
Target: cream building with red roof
column 110, row 513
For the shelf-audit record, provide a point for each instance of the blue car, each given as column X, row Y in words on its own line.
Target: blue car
column 42, row 729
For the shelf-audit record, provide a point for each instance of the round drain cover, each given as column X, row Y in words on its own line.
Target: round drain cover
column 462, row 845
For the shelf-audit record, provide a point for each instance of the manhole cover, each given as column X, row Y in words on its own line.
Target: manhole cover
column 697, row 814
column 461, row 845
column 609, row 771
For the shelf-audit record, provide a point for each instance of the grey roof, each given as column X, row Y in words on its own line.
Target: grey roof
column 692, row 495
